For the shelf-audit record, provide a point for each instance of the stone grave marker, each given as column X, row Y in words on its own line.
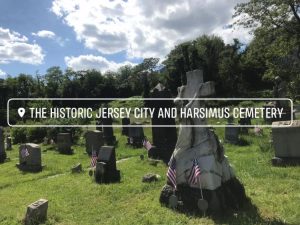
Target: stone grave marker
column 36, row 212
column 93, row 141
column 30, row 157
column 125, row 130
column 108, row 132
column 64, row 143
column 136, row 135
column 286, row 142
column 245, row 121
column 8, row 143
column 198, row 146
column 232, row 134
column 2, row 148
column 106, row 167
column 164, row 138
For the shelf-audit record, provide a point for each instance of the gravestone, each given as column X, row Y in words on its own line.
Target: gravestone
column 36, row 212
column 286, row 142
column 164, row 138
column 8, row 143
column 93, row 141
column 106, row 167
column 245, row 121
column 232, row 134
column 30, row 158
column 108, row 132
column 45, row 141
column 2, row 148
column 64, row 143
column 125, row 130
column 216, row 187
column 136, row 135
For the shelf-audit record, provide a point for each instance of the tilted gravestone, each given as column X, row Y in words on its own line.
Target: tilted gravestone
column 216, row 186
column 108, row 132
column 164, row 138
column 286, row 141
column 2, row 148
column 30, row 157
column 93, row 141
column 125, row 130
column 64, row 143
column 36, row 212
column 136, row 135
column 106, row 167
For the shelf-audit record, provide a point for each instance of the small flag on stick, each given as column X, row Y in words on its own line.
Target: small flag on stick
column 24, row 152
column 195, row 172
column 171, row 174
column 147, row 145
column 93, row 158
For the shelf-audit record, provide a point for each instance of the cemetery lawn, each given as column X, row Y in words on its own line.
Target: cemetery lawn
column 77, row 199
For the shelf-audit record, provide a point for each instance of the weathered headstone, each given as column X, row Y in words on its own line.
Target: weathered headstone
column 136, row 135
column 2, row 148
column 36, row 212
column 125, row 130
column 198, row 145
column 232, row 134
column 30, row 157
column 99, row 125
column 164, row 138
column 106, row 167
column 286, row 142
column 64, row 143
column 8, row 143
column 93, row 141
column 108, row 132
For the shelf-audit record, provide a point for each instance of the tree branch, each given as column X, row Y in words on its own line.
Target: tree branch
column 295, row 12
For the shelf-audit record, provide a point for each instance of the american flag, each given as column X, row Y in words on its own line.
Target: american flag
column 147, row 144
column 195, row 173
column 24, row 152
column 171, row 174
column 93, row 159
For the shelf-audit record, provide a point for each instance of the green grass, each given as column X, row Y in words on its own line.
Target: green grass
column 77, row 199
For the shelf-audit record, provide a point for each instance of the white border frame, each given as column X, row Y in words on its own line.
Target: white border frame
column 145, row 125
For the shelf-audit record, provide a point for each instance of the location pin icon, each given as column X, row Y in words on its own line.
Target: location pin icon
column 21, row 112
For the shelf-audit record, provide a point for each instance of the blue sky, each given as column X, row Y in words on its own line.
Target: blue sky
column 38, row 34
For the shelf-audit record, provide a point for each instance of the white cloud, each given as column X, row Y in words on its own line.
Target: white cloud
column 2, row 73
column 85, row 62
column 50, row 35
column 143, row 28
column 15, row 47
column 44, row 34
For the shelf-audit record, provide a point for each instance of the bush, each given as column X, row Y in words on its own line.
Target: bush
column 19, row 135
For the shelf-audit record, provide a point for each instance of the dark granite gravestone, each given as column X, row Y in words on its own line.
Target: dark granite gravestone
column 64, row 143
column 232, row 134
column 36, row 212
column 136, row 135
column 106, row 167
column 125, row 130
column 30, row 157
column 245, row 121
column 108, row 132
column 164, row 138
column 93, row 141
column 2, row 148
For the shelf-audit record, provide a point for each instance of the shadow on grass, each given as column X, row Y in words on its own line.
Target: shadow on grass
column 247, row 215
